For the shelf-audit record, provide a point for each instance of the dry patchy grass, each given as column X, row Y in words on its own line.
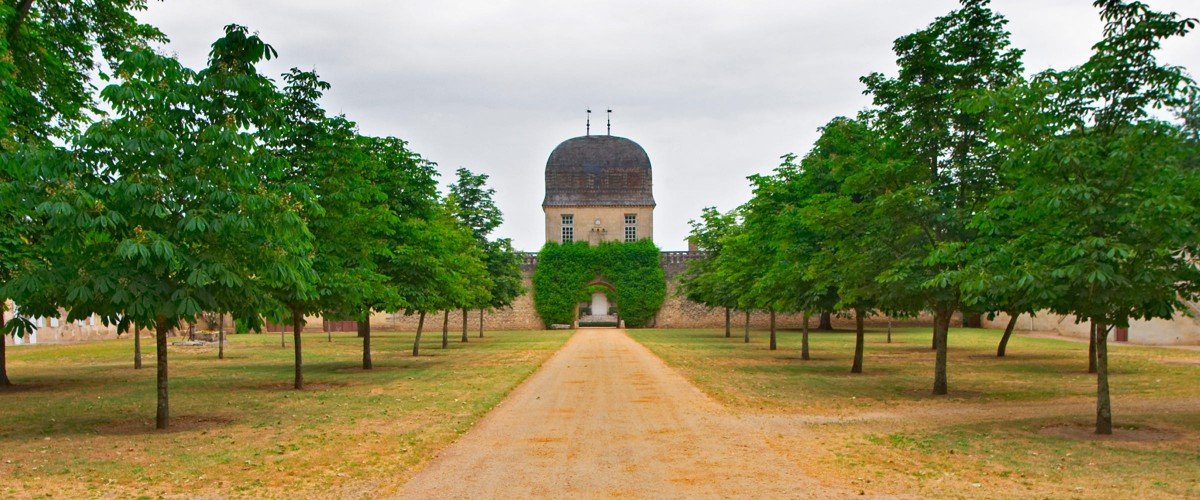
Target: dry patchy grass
column 1018, row 426
column 80, row 421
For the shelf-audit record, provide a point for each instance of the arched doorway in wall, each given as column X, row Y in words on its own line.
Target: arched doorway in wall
column 600, row 310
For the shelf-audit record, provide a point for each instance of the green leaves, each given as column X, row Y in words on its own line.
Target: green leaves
column 49, row 54
column 159, row 213
column 966, row 186
column 471, row 202
column 504, row 270
column 1096, row 221
column 701, row 281
column 565, row 272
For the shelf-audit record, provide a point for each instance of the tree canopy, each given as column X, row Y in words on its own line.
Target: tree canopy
column 970, row 187
column 174, row 194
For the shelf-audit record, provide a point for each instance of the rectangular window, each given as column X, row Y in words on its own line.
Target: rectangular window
column 568, row 228
column 630, row 227
column 53, row 322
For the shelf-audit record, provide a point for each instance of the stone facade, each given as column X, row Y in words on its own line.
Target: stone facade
column 598, row 224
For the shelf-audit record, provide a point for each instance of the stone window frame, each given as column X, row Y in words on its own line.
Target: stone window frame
column 568, row 228
column 630, row 228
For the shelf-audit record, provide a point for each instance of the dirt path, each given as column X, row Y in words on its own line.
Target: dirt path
column 605, row 417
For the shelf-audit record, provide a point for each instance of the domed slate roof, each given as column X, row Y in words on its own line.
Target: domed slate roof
column 598, row 170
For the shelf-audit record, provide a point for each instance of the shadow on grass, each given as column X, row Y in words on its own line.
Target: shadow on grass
column 84, row 425
column 341, row 366
column 310, row 385
column 178, row 424
column 1020, row 356
column 811, row 359
column 927, row 393
column 834, row 369
column 45, row 384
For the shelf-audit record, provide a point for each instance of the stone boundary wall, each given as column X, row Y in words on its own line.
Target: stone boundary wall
column 521, row 316
column 60, row 331
column 1180, row 330
column 678, row 312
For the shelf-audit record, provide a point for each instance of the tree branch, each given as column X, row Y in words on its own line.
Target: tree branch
column 22, row 11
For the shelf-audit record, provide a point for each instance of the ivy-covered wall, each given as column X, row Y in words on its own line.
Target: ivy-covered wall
column 633, row 269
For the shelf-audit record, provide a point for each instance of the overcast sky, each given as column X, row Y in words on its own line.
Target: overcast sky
column 714, row 91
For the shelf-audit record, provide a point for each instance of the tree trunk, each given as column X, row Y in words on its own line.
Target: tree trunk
column 804, row 339
column 826, row 322
column 328, row 333
column 858, row 342
column 773, row 329
column 163, row 415
column 4, row 381
column 1092, row 348
column 728, row 323
column 137, row 347
column 221, row 336
column 481, row 323
column 446, row 330
column 297, row 327
column 282, row 342
column 1012, row 323
column 942, row 330
column 22, row 11
column 1103, row 404
column 364, row 331
column 747, row 327
column 417, row 340
column 889, row 340
column 934, row 336
column 464, row 339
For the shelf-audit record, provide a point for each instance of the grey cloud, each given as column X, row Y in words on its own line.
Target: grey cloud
column 713, row 90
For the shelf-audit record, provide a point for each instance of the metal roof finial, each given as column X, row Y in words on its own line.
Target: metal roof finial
column 610, row 122
column 589, row 123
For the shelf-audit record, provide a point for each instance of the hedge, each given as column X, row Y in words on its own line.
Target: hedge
column 633, row 269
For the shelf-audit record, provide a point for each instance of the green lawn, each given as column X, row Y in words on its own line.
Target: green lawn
column 81, row 419
column 1017, row 426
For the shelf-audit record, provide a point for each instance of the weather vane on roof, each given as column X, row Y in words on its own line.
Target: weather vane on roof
column 610, row 122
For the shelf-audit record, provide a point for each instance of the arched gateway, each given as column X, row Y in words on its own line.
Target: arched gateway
column 600, row 310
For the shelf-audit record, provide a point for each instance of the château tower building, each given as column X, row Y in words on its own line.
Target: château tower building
column 598, row 188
